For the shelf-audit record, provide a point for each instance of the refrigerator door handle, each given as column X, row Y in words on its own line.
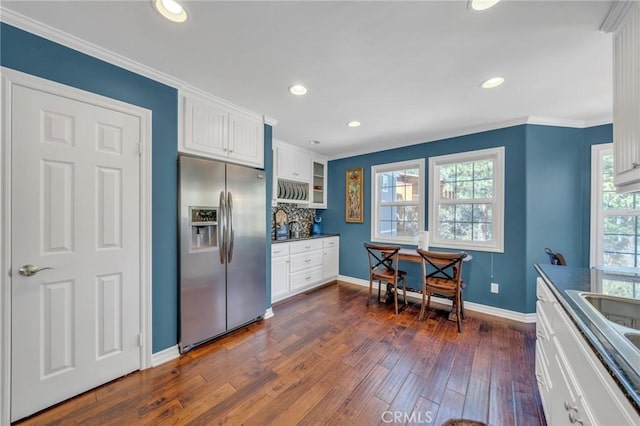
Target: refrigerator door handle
column 222, row 228
column 231, row 238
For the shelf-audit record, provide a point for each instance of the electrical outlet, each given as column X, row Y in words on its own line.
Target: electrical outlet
column 495, row 288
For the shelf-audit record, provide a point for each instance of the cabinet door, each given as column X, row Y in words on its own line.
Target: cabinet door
column 292, row 164
column 279, row 278
column 205, row 128
column 330, row 263
column 626, row 102
column 246, row 139
column 318, row 184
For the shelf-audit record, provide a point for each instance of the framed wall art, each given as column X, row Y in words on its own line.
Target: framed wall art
column 354, row 204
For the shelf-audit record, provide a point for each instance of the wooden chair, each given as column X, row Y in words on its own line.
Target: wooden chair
column 441, row 274
column 555, row 258
column 383, row 261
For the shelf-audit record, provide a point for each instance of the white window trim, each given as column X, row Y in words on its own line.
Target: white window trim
column 596, row 255
column 497, row 244
column 381, row 168
column 597, row 242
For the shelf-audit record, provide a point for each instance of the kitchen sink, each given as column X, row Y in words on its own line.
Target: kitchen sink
column 620, row 310
column 617, row 318
column 634, row 338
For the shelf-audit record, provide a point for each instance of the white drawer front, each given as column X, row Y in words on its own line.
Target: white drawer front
column 306, row 245
column 280, row 249
column 302, row 261
column 306, row 278
column 330, row 242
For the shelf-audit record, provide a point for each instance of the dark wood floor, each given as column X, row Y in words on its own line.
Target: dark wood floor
column 326, row 358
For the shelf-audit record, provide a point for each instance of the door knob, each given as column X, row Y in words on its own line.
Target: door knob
column 29, row 270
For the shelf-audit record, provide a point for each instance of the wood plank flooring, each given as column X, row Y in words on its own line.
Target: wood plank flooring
column 327, row 358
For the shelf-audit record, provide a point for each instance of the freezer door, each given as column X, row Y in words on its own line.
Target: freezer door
column 246, row 268
column 202, row 269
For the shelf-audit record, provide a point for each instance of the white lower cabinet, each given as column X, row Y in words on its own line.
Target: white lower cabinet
column 279, row 271
column 331, row 256
column 301, row 265
column 574, row 385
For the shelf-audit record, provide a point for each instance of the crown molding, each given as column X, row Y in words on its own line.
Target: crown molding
column 53, row 34
column 541, row 121
column 270, row 121
column 616, row 16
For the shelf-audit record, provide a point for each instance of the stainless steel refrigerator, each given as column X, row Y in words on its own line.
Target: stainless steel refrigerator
column 222, row 248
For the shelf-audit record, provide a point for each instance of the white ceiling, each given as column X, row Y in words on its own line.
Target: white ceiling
column 409, row 71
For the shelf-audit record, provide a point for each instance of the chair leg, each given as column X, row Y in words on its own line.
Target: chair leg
column 422, row 305
column 428, row 299
column 395, row 296
column 371, row 291
column 462, row 303
column 404, row 290
column 458, row 313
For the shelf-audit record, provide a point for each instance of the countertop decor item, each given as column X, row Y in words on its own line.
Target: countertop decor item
column 354, row 206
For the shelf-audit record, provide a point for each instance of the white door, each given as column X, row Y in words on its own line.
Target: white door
column 75, row 209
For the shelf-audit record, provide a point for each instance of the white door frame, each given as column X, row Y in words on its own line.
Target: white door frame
column 10, row 78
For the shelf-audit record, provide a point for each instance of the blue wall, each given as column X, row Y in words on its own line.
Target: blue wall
column 546, row 205
column 34, row 55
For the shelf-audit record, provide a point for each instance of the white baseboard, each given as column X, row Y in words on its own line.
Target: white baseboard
column 165, row 355
column 470, row 306
column 269, row 313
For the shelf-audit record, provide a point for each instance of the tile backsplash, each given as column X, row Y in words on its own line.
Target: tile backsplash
column 303, row 215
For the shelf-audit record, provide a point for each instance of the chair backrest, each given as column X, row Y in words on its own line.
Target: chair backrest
column 437, row 264
column 382, row 255
column 555, row 258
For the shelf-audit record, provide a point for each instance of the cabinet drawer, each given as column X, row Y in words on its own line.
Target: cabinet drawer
column 279, row 250
column 330, row 242
column 306, row 278
column 302, row 261
column 304, row 246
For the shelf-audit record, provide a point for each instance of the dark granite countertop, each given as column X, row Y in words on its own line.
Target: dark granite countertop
column 310, row 237
column 596, row 280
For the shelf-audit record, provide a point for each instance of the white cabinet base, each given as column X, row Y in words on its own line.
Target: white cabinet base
column 302, row 265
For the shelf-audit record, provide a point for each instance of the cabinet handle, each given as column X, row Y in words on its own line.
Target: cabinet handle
column 635, row 165
column 574, row 419
column 307, row 247
column 539, row 379
column 569, row 407
column 307, row 260
column 542, row 299
column 541, row 335
column 307, row 278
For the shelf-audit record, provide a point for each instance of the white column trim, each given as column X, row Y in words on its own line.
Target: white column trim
column 165, row 355
column 269, row 313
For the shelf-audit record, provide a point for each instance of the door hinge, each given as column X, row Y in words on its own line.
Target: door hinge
column 140, row 336
column 140, row 149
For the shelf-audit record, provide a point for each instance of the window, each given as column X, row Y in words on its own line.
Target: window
column 398, row 201
column 466, row 200
column 615, row 217
column 615, row 224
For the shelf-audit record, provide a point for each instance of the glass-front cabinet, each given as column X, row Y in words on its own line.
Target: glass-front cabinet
column 318, row 184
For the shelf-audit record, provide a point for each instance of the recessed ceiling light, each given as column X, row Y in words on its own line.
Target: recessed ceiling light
column 353, row 123
column 492, row 82
column 298, row 90
column 171, row 9
column 314, row 142
column 480, row 5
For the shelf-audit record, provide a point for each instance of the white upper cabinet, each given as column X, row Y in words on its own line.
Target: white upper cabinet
column 300, row 176
column 626, row 98
column 217, row 130
column 292, row 163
